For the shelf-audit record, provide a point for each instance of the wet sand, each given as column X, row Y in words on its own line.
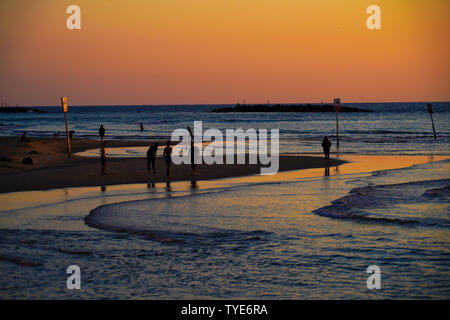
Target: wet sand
column 53, row 169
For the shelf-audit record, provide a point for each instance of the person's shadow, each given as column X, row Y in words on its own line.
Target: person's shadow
column 327, row 171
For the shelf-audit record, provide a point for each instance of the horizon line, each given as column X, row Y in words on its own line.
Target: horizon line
column 218, row 104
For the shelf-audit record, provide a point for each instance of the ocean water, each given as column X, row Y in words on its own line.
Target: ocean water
column 393, row 128
column 305, row 236
column 298, row 235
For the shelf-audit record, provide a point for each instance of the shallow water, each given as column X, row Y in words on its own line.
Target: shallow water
column 253, row 237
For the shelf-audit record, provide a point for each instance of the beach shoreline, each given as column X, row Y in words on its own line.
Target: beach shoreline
column 53, row 169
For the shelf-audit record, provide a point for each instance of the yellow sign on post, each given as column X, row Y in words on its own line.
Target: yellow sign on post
column 64, row 107
column 64, row 104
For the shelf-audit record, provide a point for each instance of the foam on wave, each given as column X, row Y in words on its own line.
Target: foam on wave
column 383, row 204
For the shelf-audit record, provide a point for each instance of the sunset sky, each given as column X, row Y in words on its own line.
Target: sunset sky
column 222, row 51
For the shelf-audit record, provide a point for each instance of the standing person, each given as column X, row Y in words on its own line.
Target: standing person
column 193, row 150
column 190, row 132
column 101, row 132
column 326, row 145
column 24, row 137
column 168, row 157
column 103, row 158
column 151, row 156
column 141, row 126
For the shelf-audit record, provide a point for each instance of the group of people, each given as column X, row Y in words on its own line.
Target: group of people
column 167, row 153
column 151, row 154
column 151, row 157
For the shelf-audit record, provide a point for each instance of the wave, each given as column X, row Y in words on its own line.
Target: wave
column 152, row 219
column 75, row 252
column 332, row 212
column 438, row 192
column 423, row 203
column 20, row 261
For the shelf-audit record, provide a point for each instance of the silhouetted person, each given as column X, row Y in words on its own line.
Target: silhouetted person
column 24, row 137
column 193, row 151
column 326, row 145
column 103, row 158
column 190, row 132
column 151, row 156
column 101, row 132
column 142, row 126
column 168, row 157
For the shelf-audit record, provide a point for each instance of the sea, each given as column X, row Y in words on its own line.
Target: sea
column 308, row 234
column 393, row 128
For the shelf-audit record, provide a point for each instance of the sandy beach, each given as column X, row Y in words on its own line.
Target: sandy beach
column 53, row 169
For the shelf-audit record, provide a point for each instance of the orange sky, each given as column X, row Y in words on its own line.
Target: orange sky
column 222, row 51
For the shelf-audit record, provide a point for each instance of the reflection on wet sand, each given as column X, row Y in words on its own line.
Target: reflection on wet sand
column 356, row 164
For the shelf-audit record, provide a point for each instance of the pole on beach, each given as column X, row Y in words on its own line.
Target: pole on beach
column 64, row 107
column 337, row 106
column 430, row 111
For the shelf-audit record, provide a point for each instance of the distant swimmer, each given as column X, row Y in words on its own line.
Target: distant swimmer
column 326, row 145
column 151, row 156
column 101, row 132
column 168, row 157
column 141, row 126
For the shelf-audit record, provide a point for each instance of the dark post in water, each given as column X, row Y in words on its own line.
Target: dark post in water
column 64, row 107
column 337, row 106
column 430, row 111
